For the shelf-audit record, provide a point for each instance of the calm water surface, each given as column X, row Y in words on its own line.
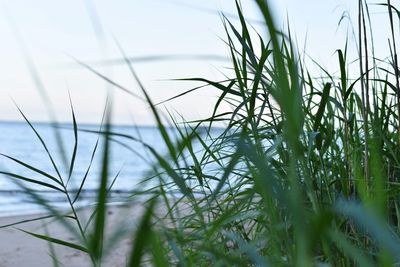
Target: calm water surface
column 19, row 141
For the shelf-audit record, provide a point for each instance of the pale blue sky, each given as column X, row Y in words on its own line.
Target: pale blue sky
column 52, row 30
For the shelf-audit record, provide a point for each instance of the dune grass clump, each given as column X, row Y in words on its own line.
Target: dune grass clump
column 304, row 172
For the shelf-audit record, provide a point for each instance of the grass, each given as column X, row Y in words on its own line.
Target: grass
column 304, row 173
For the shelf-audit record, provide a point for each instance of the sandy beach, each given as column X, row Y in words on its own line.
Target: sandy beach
column 20, row 249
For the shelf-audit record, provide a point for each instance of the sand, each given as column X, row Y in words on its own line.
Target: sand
column 20, row 249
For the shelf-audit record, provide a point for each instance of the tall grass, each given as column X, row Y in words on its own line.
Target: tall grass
column 304, row 173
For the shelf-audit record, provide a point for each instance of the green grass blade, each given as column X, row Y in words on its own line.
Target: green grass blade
column 142, row 236
column 26, row 179
column 54, row 179
column 72, row 162
column 56, row 241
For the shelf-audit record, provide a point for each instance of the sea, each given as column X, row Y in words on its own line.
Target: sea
column 20, row 147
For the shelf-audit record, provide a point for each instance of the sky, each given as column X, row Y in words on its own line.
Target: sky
column 54, row 35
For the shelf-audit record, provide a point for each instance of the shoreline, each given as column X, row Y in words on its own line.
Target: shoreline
column 37, row 209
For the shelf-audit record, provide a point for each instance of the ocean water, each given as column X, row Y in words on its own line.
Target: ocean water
column 128, row 159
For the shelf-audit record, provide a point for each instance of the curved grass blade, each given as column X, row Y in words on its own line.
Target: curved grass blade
column 56, row 241
column 92, row 156
column 38, row 199
column 214, row 84
column 33, row 168
column 150, row 59
column 26, row 179
column 42, row 142
column 185, row 93
column 108, row 80
column 142, row 236
column 31, row 220
column 87, row 172
column 72, row 163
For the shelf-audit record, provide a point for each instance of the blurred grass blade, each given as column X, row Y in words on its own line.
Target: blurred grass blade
column 371, row 225
column 142, row 236
column 97, row 240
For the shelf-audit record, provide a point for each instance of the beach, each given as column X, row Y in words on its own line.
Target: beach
column 21, row 249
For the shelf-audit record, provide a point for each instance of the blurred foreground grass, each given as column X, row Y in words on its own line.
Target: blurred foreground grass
column 304, row 173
